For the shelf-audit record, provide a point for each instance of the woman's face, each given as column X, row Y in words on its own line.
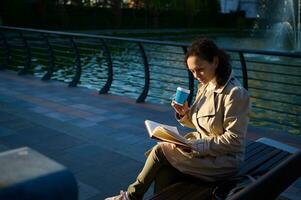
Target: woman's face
column 202, row 70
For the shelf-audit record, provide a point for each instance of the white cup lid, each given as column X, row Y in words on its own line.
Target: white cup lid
column 183, row 90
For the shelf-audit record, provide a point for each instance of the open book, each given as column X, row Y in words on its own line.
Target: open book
column 165, row 133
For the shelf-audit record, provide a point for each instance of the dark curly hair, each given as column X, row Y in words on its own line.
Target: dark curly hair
column 206, row 49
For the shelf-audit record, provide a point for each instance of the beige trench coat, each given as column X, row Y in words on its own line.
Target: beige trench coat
column 220, row 119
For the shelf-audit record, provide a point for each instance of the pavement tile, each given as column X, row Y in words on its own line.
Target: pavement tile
column 96, row 118
column 100, row 111
column 6, row 117
column 5, row 131
column 3, row 148
column 59, row 116
column 99, row 196
column 82, row 106
column 40, row 109
column 116, row 176
column 86, row 191
column 82, row 123
column 31, row 137
column 56, row 144
column 80, row 113
column 17, row 124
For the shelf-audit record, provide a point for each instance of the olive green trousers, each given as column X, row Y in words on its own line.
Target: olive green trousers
column 157, row 169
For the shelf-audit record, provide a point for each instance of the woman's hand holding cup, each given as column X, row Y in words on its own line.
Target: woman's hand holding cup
column 180, row 103
column 181, row 110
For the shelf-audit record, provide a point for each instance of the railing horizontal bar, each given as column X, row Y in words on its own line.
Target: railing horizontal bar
column 294, row 54
column 117, row 61
column 168, row 67
column 62, row 61
column 58, row 62
column 18, row 55
column 17, row 50
column 43, row 60
column 169, row 74
column 274, row 110
column 248, row 51
column 36, row 59
column 128, row 55
column 167, row 81
column 165, row 59
column 276, row 100
column 81, row 48
column 56, row 41
column 16, row 60
column 55, row 45
column 271, row 81
column 20, row 45
column 35, row 41
column 129, row 48
column 276, row 123
column 274, row 91
column 154, row 52
column 276, row 73
column 89, row 54
column 91, row 45
column 37, row 48
column 66, row 52
column 165, row 52
column 276, row 64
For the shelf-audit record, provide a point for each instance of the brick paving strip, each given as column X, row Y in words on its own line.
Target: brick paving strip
column 100, row 138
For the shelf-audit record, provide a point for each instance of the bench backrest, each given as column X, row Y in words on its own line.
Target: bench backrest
column 271, row 184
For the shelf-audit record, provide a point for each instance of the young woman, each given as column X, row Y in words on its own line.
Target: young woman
column 219, row 117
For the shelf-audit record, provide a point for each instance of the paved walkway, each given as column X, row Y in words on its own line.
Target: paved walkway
column 100, row 138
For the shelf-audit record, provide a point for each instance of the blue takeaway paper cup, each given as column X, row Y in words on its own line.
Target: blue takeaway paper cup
column 181, row 95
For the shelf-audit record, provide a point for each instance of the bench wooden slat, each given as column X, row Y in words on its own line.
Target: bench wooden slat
column 271, row 163
column 185, row 190
column 251, row 147
column 259, row 154
column 251, row 164
column 255, row 152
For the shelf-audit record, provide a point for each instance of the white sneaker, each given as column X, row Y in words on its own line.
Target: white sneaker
column 121, row 196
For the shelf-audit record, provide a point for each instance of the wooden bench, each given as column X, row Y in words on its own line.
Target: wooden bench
column 273, row 168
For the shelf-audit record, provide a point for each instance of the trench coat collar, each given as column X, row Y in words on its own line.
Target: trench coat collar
column 207, row 102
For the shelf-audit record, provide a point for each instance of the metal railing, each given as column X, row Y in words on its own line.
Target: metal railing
column 154, row 68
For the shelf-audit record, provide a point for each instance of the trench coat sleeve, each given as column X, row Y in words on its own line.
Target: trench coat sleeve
column 236, row 118
column 185, row 120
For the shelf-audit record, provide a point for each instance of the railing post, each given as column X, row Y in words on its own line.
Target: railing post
column 7, row 52
column 28, row 60
column 190, row 79
column 244, row 70
column 108, row 84
column 51, row 66
column 143, row 95
column 76, row 78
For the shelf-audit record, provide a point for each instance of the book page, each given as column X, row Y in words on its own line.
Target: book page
column 151, row 125
column 165, row 135
column 165, row 132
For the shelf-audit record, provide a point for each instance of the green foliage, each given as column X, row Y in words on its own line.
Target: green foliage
column 82, row 14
